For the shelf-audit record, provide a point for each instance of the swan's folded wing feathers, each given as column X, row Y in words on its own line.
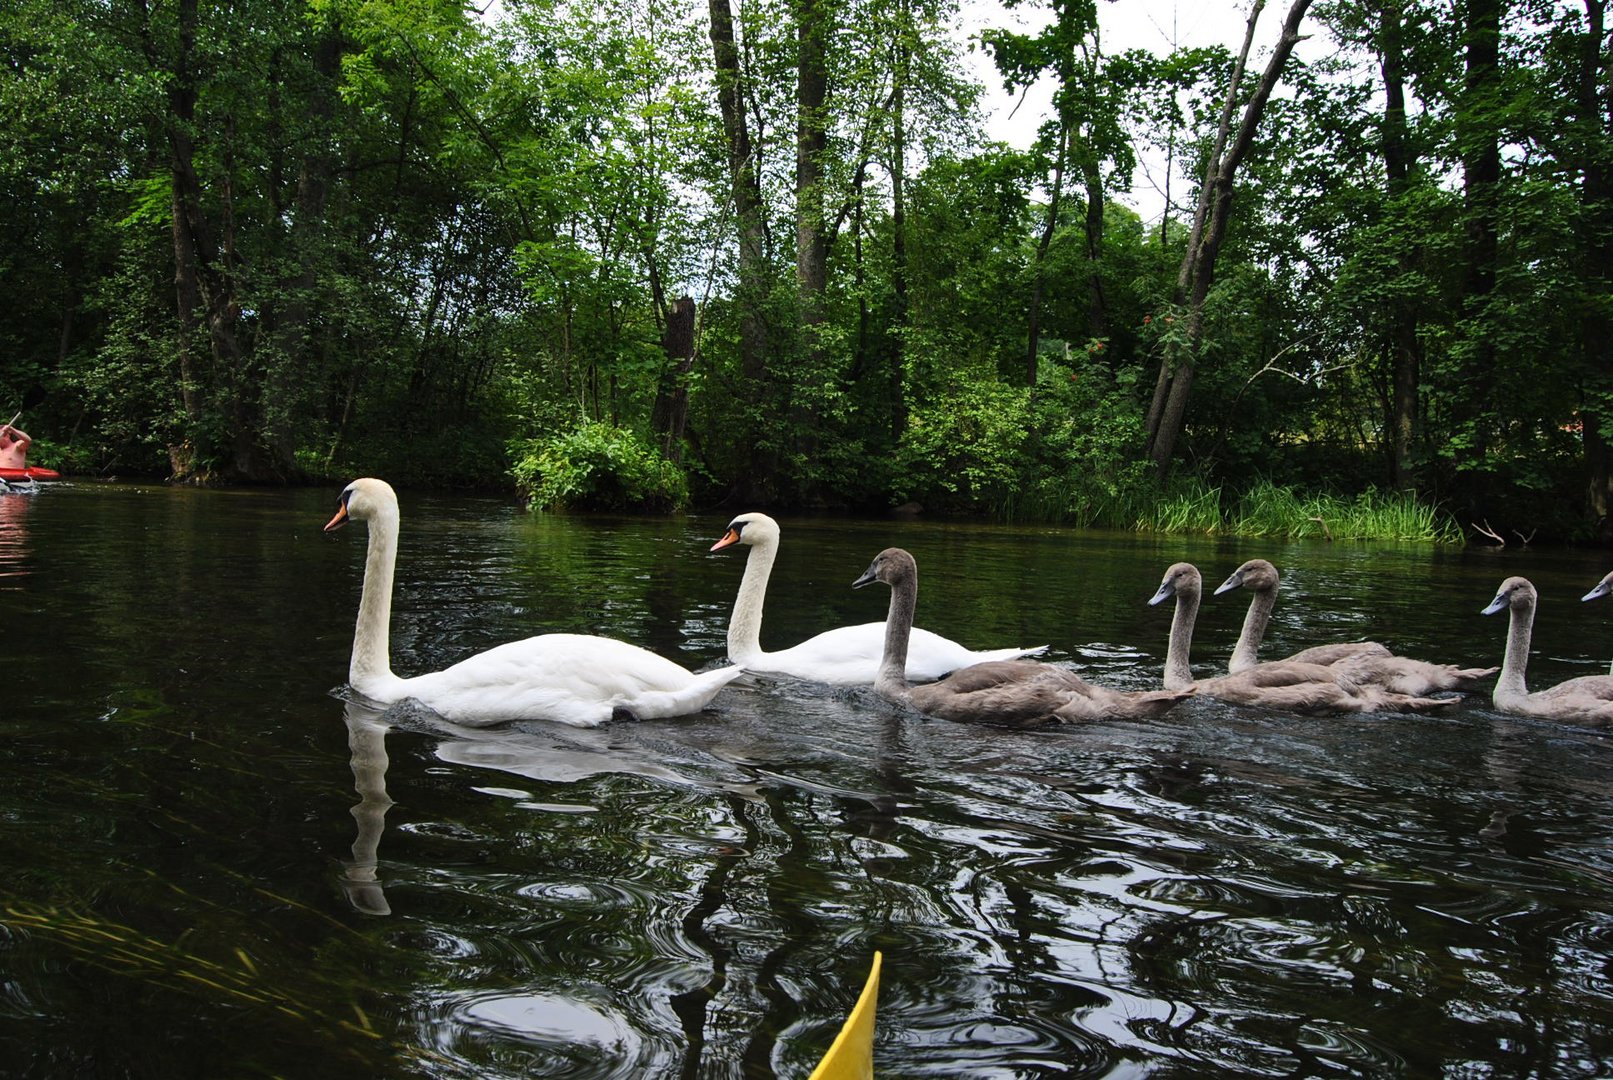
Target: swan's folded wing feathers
column 1283, row 673
column 1004, row 693
column 571, row 678
column 1332, row 654
column 1587, row 700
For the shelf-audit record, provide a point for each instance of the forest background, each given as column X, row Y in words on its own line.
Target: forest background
column 633, row 254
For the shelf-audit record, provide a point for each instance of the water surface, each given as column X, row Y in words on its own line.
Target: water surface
column 214, row 867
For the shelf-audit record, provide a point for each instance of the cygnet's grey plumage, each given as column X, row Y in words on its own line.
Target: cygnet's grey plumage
column 1369, row 661
column 1005, row 693
column 1288, row 685
column 1587, row 700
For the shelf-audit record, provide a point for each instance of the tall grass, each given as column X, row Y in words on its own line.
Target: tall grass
column 1187, row 506
column 1091, row 505
column 1277, row 512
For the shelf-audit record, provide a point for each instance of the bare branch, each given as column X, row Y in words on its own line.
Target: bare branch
column 1491, row 533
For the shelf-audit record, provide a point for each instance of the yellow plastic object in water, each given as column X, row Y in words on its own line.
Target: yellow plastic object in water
column 851, row 1056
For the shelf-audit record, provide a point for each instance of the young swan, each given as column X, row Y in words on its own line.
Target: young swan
column 846, row 655
column 572, row 678
column 1587, row 700
column 1288, row 685
column 1369, row 661
column 1006, row 693
column 1603, row 588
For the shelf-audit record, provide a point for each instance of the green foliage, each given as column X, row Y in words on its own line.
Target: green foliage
column 1088, row 465
column 963, row 447
column 598, row 467
column 423, row 234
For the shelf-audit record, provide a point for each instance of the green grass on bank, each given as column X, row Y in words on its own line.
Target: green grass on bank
column 1272, row 511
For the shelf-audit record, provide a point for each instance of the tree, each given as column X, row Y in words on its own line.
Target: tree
column 1169, row 407
column 1083, row 135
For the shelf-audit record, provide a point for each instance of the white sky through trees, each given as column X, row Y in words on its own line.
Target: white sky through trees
column 1155, row 25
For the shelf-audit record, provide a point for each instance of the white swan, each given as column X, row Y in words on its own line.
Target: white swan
column 1289, row 685
column 1003, row 693
column 571, row 678
column 846, row 655
column 1587, row 700
column 1370, row 662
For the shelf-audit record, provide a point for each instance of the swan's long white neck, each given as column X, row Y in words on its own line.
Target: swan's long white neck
column 371, row 640
column 1520, row 629
column 892, row 678
column 745, row 627
column 1246, row 654
column 1178, row 672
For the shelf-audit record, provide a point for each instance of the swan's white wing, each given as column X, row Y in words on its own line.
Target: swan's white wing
column 571, row 678
column 850, row 655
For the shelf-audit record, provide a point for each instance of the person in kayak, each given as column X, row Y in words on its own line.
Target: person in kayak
column 14, row 444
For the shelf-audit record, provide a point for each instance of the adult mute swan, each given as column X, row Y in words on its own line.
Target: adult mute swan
column 846, row 655
column 1370, row 662
column 1587, row 700
column 1006, row 693
column 1289, row 685
column 571, row 678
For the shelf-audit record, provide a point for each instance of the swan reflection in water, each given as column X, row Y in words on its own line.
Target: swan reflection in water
column 366, row 739
column 550, row 753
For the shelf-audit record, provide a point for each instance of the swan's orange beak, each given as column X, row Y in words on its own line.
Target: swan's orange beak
column 728, row 538
column 339, row 520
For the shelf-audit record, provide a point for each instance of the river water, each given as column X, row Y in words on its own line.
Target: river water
column 214, row 866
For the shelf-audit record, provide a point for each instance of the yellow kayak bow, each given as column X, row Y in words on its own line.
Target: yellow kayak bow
column 851, row 1056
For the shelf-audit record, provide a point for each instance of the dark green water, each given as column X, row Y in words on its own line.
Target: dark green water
column 214, row 868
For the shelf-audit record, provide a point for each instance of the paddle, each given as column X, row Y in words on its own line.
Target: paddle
column 35, row 396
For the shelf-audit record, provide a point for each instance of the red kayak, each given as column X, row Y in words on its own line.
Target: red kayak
column 15, row 476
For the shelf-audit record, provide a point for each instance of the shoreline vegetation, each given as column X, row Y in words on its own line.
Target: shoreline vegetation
column 633, row 256
column 600, row 468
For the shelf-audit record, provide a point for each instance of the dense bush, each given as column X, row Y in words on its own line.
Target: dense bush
column 598, row 467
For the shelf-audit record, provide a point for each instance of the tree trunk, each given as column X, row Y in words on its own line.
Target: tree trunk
column 752, row 285
column 898, row 175
column 1033, row 315
column 1097, row 305
column 1595, row 144
column 1209, row 229
column 1173, row 364
column 204, row 278
column 291, row 360
column 745, row 189
column 671, row 412
column 811, row 143
column 182, row 451
column 811, row 233
column 1478, row 138
column 1405, row 349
